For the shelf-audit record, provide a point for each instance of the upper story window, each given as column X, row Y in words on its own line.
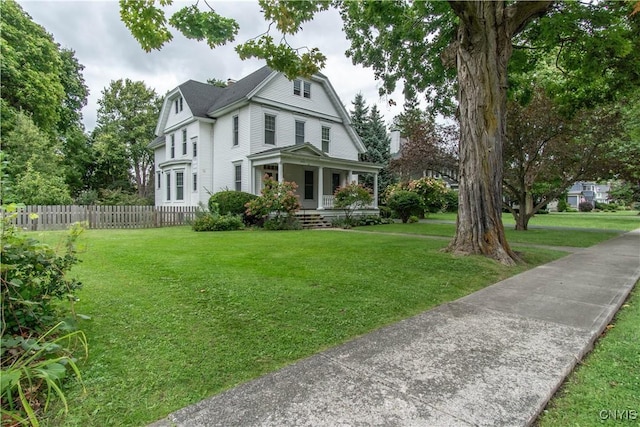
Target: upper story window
column 184, row 142
column 270, row 129
column 178, row 104
column 326, row 138
column 194, row 145
column 173, row 145
column 236, row 131
column 302, row 88
column 299, row 132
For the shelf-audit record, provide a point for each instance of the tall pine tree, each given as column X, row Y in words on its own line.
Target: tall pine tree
column 369, row 125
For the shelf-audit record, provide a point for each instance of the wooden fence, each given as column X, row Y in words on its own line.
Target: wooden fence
column 61, row 217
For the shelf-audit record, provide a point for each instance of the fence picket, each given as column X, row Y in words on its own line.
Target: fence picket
column 101, row 217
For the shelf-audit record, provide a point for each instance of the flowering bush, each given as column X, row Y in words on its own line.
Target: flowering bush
column 351, row 197
column 277, row 199
column 433, row 193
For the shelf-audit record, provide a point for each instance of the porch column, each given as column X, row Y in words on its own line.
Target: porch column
column 280, row 171
column 349, row 177
column 252, row 178
column 375, row 190
column 320, row 189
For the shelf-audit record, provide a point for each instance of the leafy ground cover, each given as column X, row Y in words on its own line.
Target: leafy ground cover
column 179, row 316
column 605, row 388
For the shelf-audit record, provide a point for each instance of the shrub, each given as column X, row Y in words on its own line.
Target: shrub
column 405, row 203
column 434, row 194
column 277, row 199
column 413, row 219
column 585, row 207
column 35, row 357
column 350, row 198
column 214, row 222
column 231, row 202
column 385, row 211
column 365, row 220
column 33, row 277
column 563, row 205
column 451, row 201
column 282, row 223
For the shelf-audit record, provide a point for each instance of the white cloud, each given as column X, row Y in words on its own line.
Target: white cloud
column 108, row 51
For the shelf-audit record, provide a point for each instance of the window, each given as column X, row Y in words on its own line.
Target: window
column 178, row 105
column 184, row 142
column 236, row 135
column 158, row 176
column 173, row 146
column 301, row 88
column 195, row 182
column 299, row 132
column 308, row 185
column 307, row 90
column 238, row 177
column 194, row 143
column 179, row 185
column 270, row 129
column 335, row 182
column 326, row 138
column 169, row 186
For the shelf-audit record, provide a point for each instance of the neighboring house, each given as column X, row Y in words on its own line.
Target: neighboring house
column 450, row 177
column 212, row 138
column 587, row 191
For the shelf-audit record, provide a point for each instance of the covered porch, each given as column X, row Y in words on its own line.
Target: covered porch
column 316, row 174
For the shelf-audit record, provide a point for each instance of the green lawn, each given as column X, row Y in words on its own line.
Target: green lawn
column 619, row 220
column 178, row 316
column 539, row 236
column 605, row 388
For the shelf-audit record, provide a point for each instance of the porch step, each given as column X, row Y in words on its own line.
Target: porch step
column 313, row 221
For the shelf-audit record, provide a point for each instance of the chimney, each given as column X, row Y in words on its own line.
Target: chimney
column 230, row 82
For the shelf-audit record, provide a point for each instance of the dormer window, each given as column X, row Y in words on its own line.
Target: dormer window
column 302, row 88
column 178, row 105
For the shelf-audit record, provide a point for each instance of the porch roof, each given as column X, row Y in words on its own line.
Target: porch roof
column 308, row 154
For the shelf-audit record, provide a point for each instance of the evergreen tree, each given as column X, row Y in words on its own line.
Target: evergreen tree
column 369, row 125
column 359, row 115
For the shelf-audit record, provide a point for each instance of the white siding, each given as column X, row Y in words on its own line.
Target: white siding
column 226, row 155
column 280, row 89
column 340, row 146
column 173, row 118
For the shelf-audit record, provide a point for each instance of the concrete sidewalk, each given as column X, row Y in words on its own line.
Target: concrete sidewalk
column 493, row 358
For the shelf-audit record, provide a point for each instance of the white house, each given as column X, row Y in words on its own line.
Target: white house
column 212, row 138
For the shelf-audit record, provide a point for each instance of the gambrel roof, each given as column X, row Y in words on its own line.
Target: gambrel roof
column 207, row 101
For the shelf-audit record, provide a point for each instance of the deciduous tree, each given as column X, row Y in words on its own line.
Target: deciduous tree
column 545, row 152
column 127, row 116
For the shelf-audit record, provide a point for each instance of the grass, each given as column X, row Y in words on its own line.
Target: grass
column 178, row 316
column 539, row 236
column 619, row 220
column 605, row 388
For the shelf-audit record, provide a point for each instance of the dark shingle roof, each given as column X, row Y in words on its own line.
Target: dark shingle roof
column 240, row 89
column 199, row 96
column 203, row 98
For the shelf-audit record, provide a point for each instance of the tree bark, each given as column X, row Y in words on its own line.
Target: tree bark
column 483, row 51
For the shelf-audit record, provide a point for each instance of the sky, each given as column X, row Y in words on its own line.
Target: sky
column 109, row 52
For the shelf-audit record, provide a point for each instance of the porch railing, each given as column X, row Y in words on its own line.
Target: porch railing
column 327, row 202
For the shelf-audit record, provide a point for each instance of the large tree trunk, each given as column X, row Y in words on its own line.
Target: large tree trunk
column 483, row 51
